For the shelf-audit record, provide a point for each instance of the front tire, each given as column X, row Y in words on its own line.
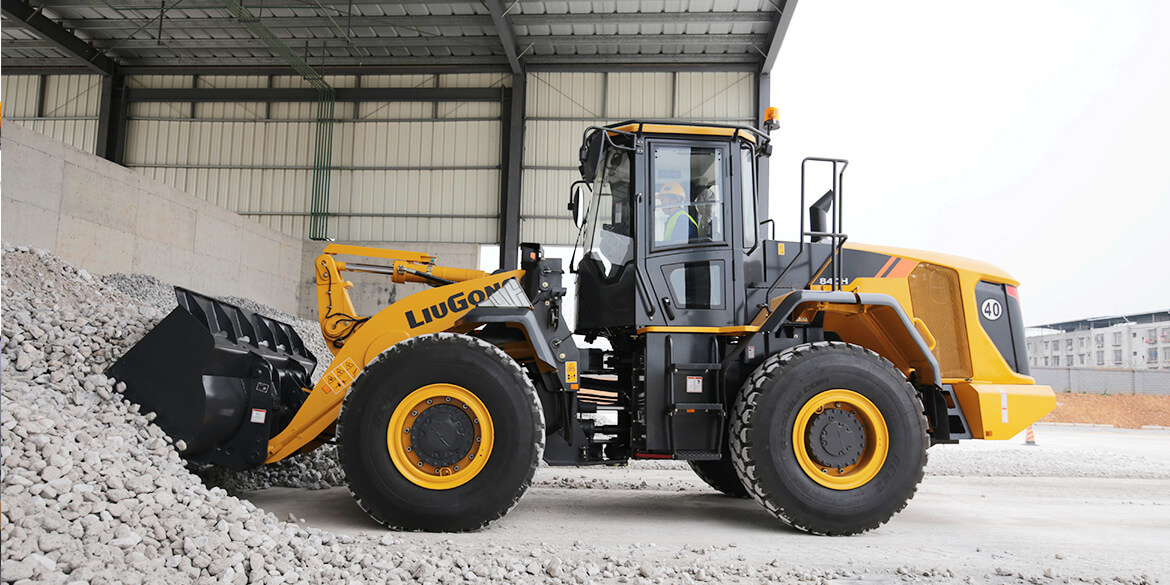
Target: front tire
column 440, row 433
column 830, row 438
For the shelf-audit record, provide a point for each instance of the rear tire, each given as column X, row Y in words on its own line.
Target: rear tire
column 417, row 417
column 721, row 475
column 830, row 438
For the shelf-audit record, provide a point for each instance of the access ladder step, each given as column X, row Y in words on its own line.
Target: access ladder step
column 695, row 408
column 697, row 367
column 694, row 455
column 955, row 419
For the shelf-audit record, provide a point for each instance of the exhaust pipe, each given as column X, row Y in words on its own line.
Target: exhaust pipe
column 220, row 378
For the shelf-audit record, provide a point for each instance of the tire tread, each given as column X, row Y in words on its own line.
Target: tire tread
column 749, row 395
column 519, row 378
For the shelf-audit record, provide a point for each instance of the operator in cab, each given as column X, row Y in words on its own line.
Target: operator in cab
column 671, row 202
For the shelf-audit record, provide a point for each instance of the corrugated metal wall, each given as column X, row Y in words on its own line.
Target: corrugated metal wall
column 66, row 107
column 562, row 105
column 403, row 171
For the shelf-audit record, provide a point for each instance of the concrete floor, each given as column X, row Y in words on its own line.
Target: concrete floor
column 1053, row 527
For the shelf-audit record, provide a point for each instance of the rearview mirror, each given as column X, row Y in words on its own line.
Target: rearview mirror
column 578, row 192
column 590, row 155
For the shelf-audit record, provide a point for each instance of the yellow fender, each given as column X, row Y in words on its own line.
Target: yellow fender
column 429, row 311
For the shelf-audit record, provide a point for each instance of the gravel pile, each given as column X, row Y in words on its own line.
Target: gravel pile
column 95, row 493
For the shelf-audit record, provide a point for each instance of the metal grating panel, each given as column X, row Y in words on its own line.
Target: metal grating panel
column 937, row 299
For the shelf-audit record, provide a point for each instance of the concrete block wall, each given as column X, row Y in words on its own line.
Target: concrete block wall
column 106, row 218
column 1097, row 381
column 372, row 292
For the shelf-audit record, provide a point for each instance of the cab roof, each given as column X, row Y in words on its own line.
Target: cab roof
column 748, row 133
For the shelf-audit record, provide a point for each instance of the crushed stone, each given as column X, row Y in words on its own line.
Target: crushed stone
column 94, row 492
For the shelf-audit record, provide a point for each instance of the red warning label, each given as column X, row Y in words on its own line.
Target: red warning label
column 694, row 384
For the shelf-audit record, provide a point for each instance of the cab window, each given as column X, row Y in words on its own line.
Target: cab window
column 688, row 195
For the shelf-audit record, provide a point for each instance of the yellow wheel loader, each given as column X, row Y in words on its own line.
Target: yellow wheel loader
column 811, row 376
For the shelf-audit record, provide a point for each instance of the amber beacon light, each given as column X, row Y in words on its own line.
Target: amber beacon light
column 771, row 119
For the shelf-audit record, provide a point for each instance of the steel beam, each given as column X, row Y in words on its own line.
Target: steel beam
column 783, row 19
column 344, row 94
column 43, row 67
column 390, row 65
column 506, row 34
column 285, row 4
column 26, row 16
column 698, row 17
column 747, row 64
column 657, row 62
column 430, row 20
column 472, row 41
column 512, row 148
column 615, row 41
column 201, row 21
column 487, row 67
column 243, row 43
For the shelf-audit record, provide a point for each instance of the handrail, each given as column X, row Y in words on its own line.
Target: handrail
column 834, row 234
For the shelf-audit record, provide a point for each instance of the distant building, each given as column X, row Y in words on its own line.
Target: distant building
column 1137, row 342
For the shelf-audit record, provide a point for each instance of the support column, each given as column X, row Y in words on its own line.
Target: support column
column 511, row 168
column 113, row 116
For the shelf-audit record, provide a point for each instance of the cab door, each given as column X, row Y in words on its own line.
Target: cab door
column 687, row 233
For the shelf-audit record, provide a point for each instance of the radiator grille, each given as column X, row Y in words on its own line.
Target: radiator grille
column 934, row 291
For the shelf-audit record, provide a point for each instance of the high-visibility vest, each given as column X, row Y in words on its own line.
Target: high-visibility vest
column 673, row 224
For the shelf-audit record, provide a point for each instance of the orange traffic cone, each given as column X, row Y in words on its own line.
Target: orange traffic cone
column 1030, row 437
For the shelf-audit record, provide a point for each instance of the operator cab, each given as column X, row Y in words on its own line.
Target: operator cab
column 670, row 225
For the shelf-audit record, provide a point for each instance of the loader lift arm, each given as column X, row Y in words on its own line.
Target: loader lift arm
column 339, row 318
column 356, row 340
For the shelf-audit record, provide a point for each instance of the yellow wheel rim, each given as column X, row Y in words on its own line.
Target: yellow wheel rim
column 873, row 454
column 440, row 475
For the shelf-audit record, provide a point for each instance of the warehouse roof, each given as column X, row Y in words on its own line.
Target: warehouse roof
column 169, row 35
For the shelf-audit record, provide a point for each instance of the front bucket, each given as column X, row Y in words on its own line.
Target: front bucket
column 220, row 378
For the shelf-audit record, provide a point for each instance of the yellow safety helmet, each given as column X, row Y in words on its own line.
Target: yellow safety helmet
column 671, row 188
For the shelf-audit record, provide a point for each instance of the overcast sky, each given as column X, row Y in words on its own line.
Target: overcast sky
column 1034, row 135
